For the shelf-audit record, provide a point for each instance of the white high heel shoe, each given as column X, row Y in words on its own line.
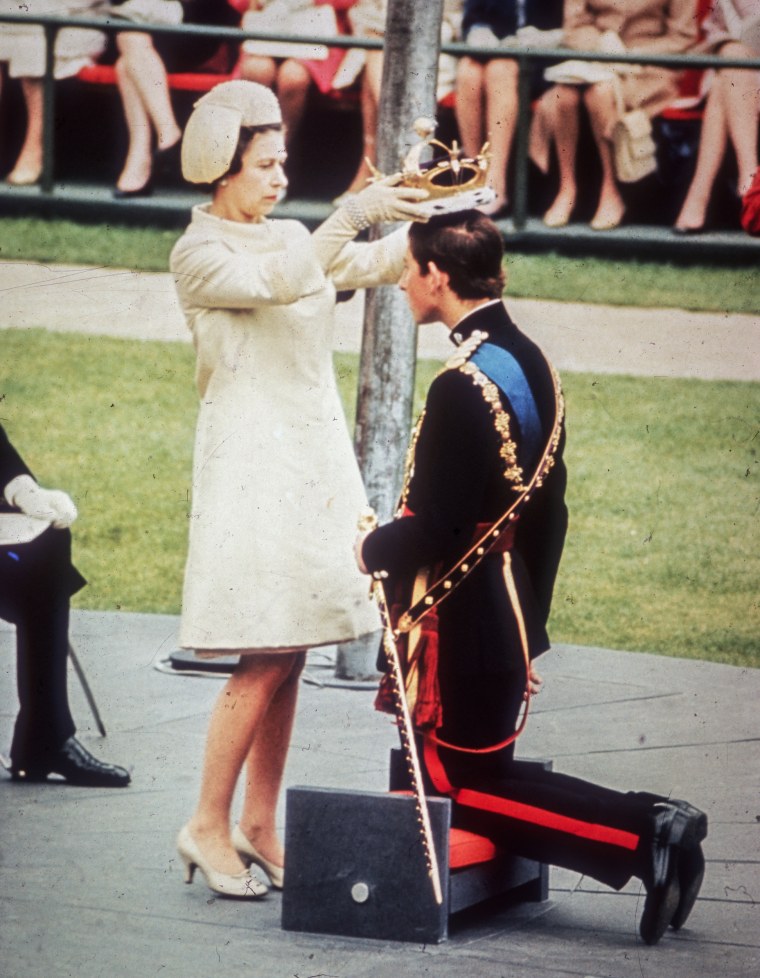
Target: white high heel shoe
column 249, row 854
column 243, row 885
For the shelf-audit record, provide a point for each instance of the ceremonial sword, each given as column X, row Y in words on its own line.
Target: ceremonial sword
column 367, row 522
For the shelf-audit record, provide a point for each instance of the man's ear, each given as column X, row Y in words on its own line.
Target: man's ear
column 439, row 278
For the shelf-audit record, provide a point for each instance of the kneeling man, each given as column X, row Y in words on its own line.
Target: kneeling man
column 469, row 566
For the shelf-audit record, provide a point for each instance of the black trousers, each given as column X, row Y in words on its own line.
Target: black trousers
column 543, row 815
column 37, row 580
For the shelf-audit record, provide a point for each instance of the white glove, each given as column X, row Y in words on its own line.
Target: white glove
column 380, row 201
column 384, row 201
column 51, row 505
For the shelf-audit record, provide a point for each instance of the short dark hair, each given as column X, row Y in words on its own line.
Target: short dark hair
column 467, row 246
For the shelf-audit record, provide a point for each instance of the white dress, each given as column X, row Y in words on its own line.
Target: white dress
column 276, row 487
column 22, row 46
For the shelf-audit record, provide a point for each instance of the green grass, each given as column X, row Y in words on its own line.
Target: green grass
column 634, row 283
column 663, row 552
column 141, row 249
column 631, row 283
column 112, row 422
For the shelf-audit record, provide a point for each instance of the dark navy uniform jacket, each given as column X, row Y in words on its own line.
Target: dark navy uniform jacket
column 29, row 571
column 11, row 463
column 458, row 482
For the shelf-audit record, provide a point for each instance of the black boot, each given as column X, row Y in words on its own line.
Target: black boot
column 691, row 864
column 676, row 831
column 75, row 764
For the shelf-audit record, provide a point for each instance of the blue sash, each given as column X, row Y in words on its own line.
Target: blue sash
column 502, row 369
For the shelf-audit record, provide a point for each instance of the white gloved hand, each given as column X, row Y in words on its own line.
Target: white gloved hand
column 51, row 505
column 385, row 201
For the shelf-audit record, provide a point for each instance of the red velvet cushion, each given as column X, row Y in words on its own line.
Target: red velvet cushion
column 184, row 81
column 467, row 849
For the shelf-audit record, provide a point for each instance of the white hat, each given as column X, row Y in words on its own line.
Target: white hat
column 212, row 132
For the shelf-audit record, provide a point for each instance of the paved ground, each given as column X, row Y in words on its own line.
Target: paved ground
column 601, row 339
column 91, row 885
column 90, row 882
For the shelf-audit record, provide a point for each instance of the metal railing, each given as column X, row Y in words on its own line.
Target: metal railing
column 528, row 61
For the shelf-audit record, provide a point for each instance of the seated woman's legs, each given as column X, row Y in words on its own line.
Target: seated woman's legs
column 600, row 102
column 28, row 167
column 731, row 115
column 370, row 98
column 144, row 90
column 501, row 120
column 258, row 68
column 293, row 83
column 469, row 106
column 486, row 109
column 251, row 722
column 560, row 117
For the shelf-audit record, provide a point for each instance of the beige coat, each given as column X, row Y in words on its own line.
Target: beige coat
column 725, row 21
column 651, row 26
column 276, row 487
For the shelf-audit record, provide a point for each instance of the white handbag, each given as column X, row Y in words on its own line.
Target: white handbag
column 633, row 148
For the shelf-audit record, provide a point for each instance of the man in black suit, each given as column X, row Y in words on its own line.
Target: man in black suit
column 469, row 566
column 37, row 579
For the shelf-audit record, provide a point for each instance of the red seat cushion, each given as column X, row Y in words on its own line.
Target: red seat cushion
column 185, row 81
column 465, row 848
column 468, row 849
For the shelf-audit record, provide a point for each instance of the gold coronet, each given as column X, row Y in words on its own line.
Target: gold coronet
column 444, row 176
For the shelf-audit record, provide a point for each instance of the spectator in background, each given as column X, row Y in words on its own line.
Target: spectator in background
column 486, row 89
column 732, row 30
column 368, row 20
column 37, row 580
column 141, row 72
column 611, row 27
column 22, row 48
column 291, row 69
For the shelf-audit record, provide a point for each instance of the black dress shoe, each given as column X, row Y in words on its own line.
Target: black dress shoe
column 691, row 871
column 697, row 822
column 677, row 830
column 686, row 231
column 76, row 765
column 661, row 877
column 167, row 165
column 661, row 902
column 691, row 863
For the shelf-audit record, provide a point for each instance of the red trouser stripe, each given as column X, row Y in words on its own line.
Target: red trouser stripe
column 549, row 820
